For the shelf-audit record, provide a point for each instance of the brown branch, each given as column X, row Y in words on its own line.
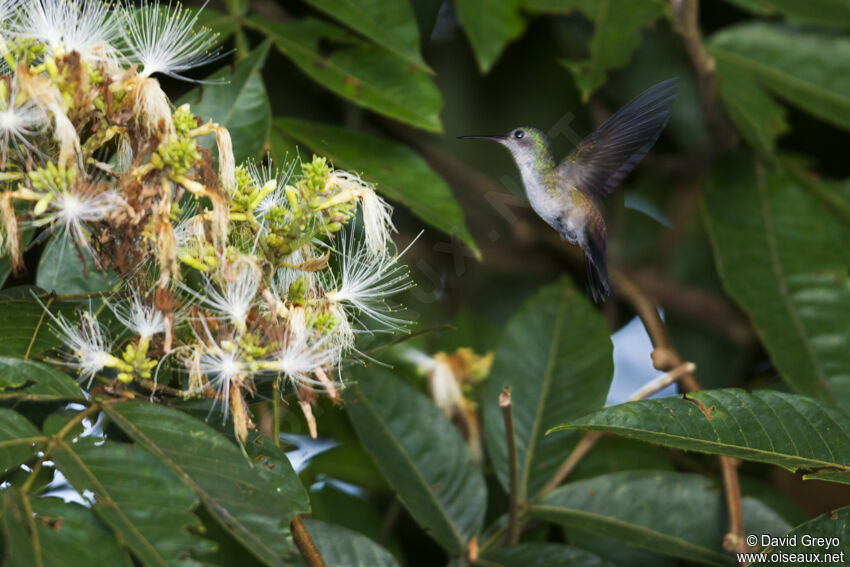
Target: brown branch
column 686, row 24
column 591, row 437
column 664, row 357
column 734, row 538
column 512, row 534
column 708, row 309
column 305, row 543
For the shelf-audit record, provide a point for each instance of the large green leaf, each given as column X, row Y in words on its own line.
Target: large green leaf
column 61, row 269
column 399, row 172
column 490, row 26
column 788, row 430
column 342, row 547
column 809, row 69
column 539, row 555
column 672, row 513
column 784, row 259
column 19, row 440
column 556, row 356
column 616, row 34
column 422, row 456
column 24, row 326
column 359, row 71
column 33, row 381
column 617, row 27
column 238, row 101
column 758, row 118
column 252, row 507
column 390, row 24
column 824, row 12
column 146, row 506
column 49, row 532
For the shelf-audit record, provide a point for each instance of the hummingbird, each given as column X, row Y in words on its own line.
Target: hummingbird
column 568, row 195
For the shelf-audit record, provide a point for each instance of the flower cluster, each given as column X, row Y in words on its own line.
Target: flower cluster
column 231, row 275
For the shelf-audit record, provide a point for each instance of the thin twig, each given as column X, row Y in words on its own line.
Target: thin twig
column 686, row 24
column 276, row 410
column 664, row 357
column 584, row 445
column 734, row 539
column 590, row 438
column 662, row 381
column 512, row 534
column 305, row 543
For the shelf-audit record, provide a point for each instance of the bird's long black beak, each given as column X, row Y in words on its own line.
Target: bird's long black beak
column 489, row 138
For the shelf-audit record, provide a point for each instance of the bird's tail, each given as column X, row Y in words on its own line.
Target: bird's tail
column 597, row 270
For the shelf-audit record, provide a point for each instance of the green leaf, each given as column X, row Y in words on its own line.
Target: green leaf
column 254, row 509
column 27, row 380
column 823, row 12
column 539, row 555
column 810, row 70
column 422, row 456
column 788, row 430
column 238, row 101
column 758, row 118
column 784, row 259
column 146, row 506
column 556, row 356
column 672, row 513
column 20, row 440
column 490, row 26
column 833, row 525
column 50, row 532
column 342, row 547
column 389, row 24
column 61, row 270
column 24, row 326
column 616, row 34
column 358, row 71
column 399, row 172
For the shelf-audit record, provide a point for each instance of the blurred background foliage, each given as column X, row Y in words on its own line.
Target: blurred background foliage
column 737, row 225
column 741, row 198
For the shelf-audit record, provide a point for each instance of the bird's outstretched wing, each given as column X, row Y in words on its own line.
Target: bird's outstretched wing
column 601, row 161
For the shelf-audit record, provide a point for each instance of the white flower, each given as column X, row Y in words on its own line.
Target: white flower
column 162, row 40
column 267, row 175
column 300, row 355
column 142, row 318
column 71, row 207
column 85, row 26
column 445, row 388
column 365, row 281
column 223, row 364
column 7, row 9
column 234, row 298
column 377, row 213
column 88, row 342
column 18, row 120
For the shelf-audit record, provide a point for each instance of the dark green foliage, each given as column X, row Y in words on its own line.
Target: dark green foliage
column 752, row 274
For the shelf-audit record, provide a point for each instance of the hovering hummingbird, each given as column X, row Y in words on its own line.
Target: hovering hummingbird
column 567, row 195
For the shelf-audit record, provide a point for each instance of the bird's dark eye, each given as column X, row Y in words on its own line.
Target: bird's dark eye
column 519, row 134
